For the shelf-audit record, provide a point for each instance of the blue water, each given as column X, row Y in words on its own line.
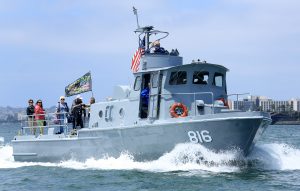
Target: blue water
column 274, row 164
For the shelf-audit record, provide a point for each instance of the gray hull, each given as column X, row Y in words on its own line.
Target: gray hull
column 218, row 132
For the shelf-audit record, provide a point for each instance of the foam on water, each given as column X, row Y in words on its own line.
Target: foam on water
column 184, row 157
column 7, row 160
column 276, row 157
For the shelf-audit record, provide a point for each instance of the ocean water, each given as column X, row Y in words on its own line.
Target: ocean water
column 274, row 164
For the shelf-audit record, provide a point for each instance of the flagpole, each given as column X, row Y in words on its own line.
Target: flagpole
column 137, row 17
column 91, row 84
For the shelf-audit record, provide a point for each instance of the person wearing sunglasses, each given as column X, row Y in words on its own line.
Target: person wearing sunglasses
column 62, row 112
column 30, row 115
column 39, row 114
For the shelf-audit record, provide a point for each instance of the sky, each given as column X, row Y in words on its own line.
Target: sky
column 46, row 45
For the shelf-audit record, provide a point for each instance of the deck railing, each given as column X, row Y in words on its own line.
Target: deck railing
column 193, row 99
column 51, row 124
column 238, row 107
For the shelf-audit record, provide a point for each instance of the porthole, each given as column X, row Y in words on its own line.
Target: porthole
column 100, row 113
column 121, row 112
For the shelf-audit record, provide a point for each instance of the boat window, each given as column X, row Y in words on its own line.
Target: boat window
column 200, row 77
column 137, row 83
column 218, row 80
column 155, row 80
column 177, row 78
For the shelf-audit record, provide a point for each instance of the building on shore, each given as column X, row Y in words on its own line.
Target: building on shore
column 295, row 104
column 262, row 103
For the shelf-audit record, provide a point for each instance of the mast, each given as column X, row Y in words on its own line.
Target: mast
column 144, row 42
column 137, row 17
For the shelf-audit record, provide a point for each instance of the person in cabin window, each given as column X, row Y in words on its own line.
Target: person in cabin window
column 30, row 115
column 39, row 115
column 62, row 111
column 145, row 101
column 199, row 80
column 145, row 95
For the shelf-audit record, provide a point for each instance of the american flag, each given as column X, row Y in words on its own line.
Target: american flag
column 135, row 63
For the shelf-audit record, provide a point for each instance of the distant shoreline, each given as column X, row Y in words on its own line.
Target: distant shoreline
column 2, row 122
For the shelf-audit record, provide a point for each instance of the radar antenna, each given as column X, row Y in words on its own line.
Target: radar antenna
column 147, row 31
column 137, row 17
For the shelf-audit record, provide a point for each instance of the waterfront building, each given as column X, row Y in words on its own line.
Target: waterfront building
column 275, row 106
column 244, row 105
column 250, row 103
column 295, row 103
column 262, row 103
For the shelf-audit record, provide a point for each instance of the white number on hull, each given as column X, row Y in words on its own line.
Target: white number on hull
column 200, row 137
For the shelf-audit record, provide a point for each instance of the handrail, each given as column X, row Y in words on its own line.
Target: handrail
column 52, row 120
column 237, row 97
column 47, row 116
column 194, row 93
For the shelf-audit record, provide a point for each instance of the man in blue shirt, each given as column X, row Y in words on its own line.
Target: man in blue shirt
column 145, row 95
column 145, row 101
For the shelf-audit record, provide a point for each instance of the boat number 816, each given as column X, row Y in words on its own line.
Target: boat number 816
column 200, row 137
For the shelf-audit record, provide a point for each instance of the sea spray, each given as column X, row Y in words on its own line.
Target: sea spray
column 276, row 157
column 6, row 153
column 7, row 160
column 184, row 157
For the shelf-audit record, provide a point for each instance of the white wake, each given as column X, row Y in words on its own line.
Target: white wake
column 184, row 157
column 276, row 157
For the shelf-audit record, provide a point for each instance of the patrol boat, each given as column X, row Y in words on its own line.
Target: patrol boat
column 169, row 103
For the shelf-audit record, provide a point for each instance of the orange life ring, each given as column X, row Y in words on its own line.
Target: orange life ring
column 224, row 102
column 178, row 110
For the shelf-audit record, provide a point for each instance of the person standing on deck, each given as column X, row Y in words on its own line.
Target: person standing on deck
column 39, row 114
column 62, row 111
column 30, row 115
column 92, row 101
column 78, row 111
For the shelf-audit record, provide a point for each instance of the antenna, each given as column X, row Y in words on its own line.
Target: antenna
column 137, row 17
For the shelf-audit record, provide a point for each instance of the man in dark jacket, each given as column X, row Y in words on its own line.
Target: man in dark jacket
column 30, row 114
column 78, row 111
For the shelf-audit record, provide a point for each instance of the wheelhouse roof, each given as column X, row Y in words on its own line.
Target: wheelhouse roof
column 202, row 64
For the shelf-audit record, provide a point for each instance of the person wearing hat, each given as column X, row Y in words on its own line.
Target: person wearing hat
column 62, row 111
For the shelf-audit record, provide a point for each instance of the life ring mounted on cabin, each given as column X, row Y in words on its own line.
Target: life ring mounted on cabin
column 178, row 110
